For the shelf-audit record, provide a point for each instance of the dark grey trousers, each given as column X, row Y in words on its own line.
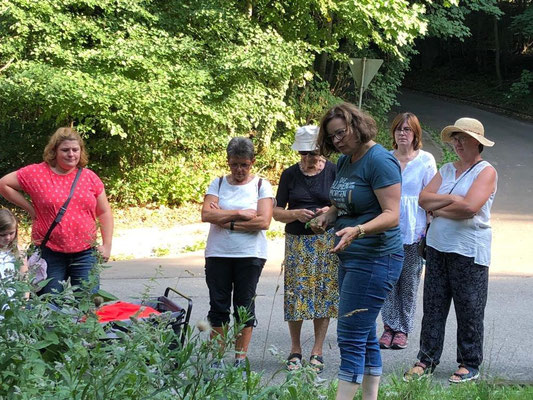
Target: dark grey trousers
column 453, row 276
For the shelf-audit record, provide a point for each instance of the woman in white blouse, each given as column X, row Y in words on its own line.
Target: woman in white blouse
column 418, row 168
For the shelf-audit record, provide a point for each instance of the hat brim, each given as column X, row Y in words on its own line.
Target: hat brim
column 304, row 146
column 446, row 135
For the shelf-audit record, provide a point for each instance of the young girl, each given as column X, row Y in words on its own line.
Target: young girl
column 9, row 253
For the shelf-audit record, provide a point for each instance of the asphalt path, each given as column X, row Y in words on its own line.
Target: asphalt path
column 509, row 312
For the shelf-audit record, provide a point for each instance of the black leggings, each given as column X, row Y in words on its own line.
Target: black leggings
column 453, row 276
column 224, row 275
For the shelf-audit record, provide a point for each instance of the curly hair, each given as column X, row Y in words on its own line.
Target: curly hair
column 59, row 136
column 413, row 123
column 358, row 122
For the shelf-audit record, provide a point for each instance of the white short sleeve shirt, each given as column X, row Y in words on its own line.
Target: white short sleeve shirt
column 226, row 243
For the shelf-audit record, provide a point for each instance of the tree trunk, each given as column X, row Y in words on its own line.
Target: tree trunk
column 322, row 64
column 249, row 8
column 323, row 57
column 497, row 51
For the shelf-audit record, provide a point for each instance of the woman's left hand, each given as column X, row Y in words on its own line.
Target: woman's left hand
column 347, row 236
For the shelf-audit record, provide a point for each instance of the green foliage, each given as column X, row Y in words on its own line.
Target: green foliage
column 198, row 245
column 523, row 23
column 446, row 19
column 521, row 88
column 158, row 87
column 144, row 81
column 63, row 353
column 48, row 352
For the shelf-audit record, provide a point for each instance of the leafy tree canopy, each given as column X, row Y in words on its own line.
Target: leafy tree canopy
column 158, row 86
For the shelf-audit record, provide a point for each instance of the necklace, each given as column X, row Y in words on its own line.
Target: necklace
column 315, row 170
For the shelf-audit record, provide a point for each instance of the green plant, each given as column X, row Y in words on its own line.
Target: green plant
column 161, row 251
column 198, row 245
column 275, row 234
column 521, row 88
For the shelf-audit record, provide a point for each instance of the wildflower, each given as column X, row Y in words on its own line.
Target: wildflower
column 203, row 325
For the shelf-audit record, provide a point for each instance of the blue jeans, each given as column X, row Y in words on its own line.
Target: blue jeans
column 364, row 284
column 61, row 266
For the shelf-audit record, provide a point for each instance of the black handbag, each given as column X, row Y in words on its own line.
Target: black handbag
column 422, row 250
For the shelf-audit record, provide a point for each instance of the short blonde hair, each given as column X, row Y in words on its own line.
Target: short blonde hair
column 59, row 136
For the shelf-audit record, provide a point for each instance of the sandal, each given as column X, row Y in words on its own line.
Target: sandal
column 294, row 362
column 471, row 375
column 318, row 365
column 418, row 371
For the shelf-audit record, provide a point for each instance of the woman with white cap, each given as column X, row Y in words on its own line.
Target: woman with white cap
column 311, row 290
column 460, row 197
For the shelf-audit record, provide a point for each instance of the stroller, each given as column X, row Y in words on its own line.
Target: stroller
column 117, row 317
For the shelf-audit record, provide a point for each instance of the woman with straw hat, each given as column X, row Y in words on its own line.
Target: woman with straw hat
column 460, row 197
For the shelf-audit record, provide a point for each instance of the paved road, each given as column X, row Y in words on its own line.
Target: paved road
column 509, row 313
column 512, row 154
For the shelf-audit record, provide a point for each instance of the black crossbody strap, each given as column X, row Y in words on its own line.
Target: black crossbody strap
column 453, row 187
column 62, row 210
column 462, row 176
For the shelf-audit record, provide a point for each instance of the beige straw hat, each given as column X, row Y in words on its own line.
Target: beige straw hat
column 471, row 127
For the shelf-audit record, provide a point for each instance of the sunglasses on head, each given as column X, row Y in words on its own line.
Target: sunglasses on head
column 309, row 153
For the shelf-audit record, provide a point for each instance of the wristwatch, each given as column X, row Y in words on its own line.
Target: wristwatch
column 362, row 232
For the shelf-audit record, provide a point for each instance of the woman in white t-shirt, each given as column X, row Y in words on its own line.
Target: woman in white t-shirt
column 418, row 168
column 460, row 197
column 239, row 207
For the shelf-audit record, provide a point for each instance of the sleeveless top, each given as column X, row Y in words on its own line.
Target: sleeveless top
column 470, row 237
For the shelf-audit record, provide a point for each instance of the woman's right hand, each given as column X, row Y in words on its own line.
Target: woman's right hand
column 303, row 215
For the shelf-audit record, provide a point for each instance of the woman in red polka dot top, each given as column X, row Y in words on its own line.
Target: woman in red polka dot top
column 70, row 251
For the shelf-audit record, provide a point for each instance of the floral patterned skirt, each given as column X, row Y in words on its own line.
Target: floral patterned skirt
column 311, row 280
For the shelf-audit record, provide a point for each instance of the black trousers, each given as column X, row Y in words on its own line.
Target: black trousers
column 453, row 276
column 226, row 275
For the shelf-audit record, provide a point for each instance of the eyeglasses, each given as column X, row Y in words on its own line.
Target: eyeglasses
column 240, row 165
column 309, row 153
column 407, row 130
column 459, row 138
column 339, row 135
